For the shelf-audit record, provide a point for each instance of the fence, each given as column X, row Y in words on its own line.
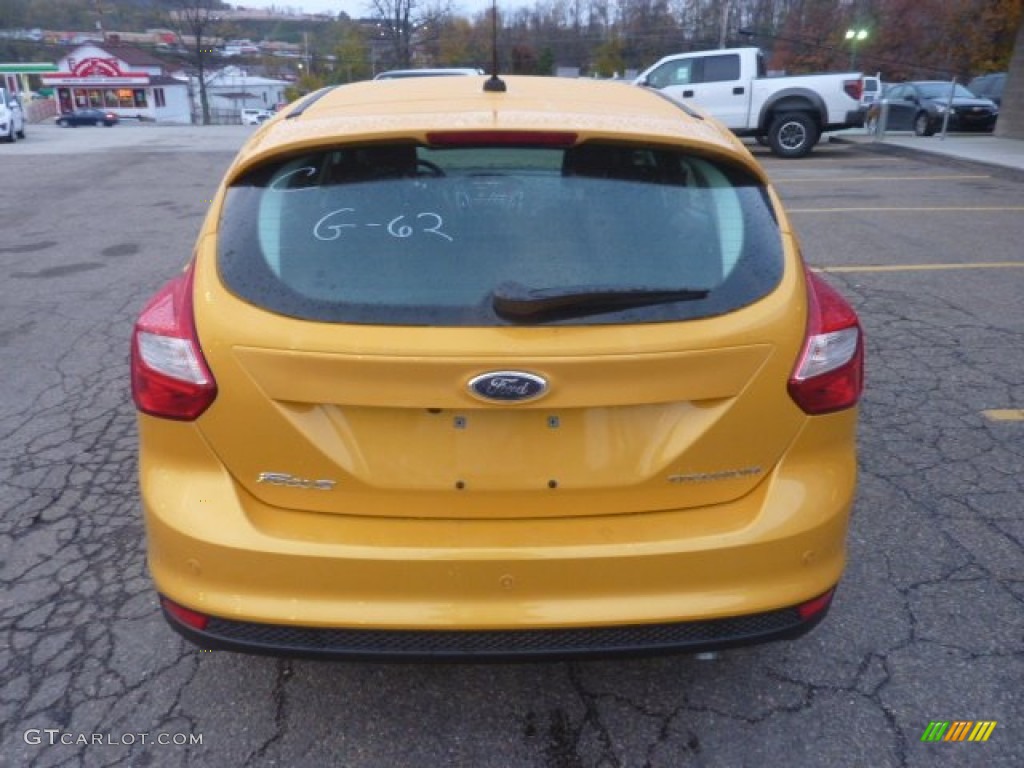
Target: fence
column 37, row 110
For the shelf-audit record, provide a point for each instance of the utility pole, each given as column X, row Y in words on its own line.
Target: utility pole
column 99, row 21
column 723, row 35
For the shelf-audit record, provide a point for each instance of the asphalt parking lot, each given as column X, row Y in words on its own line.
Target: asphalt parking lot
column 928, row 624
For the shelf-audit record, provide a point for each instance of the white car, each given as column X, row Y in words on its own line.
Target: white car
column 12, row 117
column 255, row 116
column 397, row 74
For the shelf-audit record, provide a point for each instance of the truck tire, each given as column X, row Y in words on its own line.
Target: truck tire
column 793, row 134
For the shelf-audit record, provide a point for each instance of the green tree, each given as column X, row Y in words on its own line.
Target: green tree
column 307, row 83
column 546, row 62
column 352, row 54
column 13, row 14
column 456, row 43
column 609, row 58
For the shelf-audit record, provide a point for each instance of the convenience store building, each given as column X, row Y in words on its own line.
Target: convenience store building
column 123, row 80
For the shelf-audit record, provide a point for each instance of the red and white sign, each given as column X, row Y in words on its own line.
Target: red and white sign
column 96, row 71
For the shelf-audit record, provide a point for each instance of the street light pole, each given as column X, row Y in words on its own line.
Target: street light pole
column 855, row 36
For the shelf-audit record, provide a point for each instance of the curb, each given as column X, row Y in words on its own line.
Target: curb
column 899, row 150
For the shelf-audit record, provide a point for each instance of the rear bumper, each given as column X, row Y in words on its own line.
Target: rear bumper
column 501, row 645
column 273, row 580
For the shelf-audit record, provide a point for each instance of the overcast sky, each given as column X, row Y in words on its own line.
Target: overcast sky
column 357, row 8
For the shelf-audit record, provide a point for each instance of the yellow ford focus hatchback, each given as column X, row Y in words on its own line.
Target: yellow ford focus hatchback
column 468, row 368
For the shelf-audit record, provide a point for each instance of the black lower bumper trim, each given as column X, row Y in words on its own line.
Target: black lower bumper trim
column 513, row 644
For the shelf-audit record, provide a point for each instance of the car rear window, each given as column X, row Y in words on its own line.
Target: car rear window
column 403, row 234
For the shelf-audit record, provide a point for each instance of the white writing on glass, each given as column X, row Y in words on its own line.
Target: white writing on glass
column 331, row 226
column 280, row 181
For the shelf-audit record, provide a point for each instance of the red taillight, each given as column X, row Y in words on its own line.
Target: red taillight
column 186, row 616
column 170, row 378
column 854, row 88
column 829, row 375
column 812, row 608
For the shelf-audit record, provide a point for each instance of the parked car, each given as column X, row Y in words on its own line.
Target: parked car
column 88, row 117
column 398, row 74
column 470, row 368
column 921, row 107
column 255, row 116
column 989, row 87
column 12, row 117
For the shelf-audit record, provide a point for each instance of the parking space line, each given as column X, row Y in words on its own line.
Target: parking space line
column 844, row 179
column 1004, row 414
column 923, row 267
column 937, row 209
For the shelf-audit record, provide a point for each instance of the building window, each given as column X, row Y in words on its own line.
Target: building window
column 110, row 98
column 139, row 96
column 158, row 97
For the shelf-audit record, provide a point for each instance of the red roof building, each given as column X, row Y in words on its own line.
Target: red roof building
column 126, row 81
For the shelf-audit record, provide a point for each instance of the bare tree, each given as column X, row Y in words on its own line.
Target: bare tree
column 194, row 19
column 404, row 22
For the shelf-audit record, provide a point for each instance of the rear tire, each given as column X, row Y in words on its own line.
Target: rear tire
column 793, row 134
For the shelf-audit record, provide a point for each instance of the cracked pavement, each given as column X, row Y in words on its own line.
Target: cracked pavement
column 928, row 623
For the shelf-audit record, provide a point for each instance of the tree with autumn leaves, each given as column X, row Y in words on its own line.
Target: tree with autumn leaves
column 902, row 39
column 905, row 38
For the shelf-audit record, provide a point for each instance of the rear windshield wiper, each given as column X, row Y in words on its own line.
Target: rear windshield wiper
column 517, row 302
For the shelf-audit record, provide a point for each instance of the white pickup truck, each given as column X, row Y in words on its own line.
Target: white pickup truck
column 789, row 113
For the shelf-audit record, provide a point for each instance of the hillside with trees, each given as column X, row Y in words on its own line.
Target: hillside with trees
column 899, row 38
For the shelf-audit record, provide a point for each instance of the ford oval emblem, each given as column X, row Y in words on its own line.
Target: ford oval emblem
column 508, row 386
